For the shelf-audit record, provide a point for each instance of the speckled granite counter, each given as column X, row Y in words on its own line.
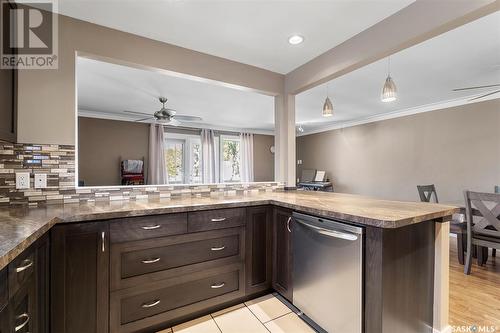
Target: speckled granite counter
column 21, row 226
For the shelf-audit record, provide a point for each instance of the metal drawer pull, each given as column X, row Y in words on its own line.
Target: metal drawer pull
column 288, row 224
column 150, row 261
column 151, row 227
column 103, row 241
column 150, row 305
column 28, row 264
column 218, row 248
column 220, row 219
column 25, row 322
column 217, row 286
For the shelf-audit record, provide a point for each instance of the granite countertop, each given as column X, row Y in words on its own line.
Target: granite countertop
column 21, row 226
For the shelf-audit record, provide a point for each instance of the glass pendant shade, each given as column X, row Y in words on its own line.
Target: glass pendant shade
column 327, row 108
column 389, row 92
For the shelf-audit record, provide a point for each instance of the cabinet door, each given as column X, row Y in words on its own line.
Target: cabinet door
column 258, row 249
column 282, row 252
column 8, row 105
column 80, row 278
column 43, row 283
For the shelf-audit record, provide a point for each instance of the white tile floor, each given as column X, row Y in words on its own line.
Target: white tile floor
column 264, row 314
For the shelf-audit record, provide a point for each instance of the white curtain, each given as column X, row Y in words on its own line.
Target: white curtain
column 208, row 163
column 246, row 153
column 157, row 171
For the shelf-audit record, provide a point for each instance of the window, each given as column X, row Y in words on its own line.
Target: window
column 230, row 158
column 174, row 160
column 183, row 158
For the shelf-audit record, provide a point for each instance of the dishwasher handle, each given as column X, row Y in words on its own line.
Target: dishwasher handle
column 329, row 232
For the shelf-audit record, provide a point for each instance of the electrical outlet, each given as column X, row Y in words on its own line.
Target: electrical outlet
column 22, row 180
column 40, row 180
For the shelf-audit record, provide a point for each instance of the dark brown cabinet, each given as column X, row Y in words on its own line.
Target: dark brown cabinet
column 258, row 249
column 24, row 291
column 80, row 277
column 5, row 319
column 8, row 79
column 282, row 252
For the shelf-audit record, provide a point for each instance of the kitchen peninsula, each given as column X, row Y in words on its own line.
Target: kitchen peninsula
column 95, row 249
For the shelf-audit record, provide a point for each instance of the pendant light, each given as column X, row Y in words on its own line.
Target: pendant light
column 327, row 106
column 389, row 92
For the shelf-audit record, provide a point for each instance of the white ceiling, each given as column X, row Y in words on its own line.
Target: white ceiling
column 105, row 90
column 425, row 74
column 253, row 32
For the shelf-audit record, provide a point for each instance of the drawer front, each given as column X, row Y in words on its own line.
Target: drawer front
column 168, row 298
column 216, row 219
column 178, row 255
column 23, row 308
column 21, row 270
column 145, row 261
column 144, row 227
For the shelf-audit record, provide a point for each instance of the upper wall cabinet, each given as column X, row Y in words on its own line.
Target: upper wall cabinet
column 8, row 109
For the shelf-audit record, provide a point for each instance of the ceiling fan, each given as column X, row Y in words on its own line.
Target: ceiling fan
column 166, row 116
column 481, row 87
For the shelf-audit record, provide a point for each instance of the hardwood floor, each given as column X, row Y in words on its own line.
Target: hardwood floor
column 475, row 298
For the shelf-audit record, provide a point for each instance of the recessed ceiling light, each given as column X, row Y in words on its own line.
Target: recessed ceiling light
column 295, row 39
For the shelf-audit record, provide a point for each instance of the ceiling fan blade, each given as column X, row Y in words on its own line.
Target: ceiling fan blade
column 141, row 113
column 148, row 118
column 478, row 87
column 188, row 118
column 488, row 94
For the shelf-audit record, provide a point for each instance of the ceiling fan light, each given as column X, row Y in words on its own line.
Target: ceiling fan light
column 389, row 91
column 327, row 108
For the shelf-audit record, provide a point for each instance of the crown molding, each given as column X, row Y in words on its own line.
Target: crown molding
column 396, row 114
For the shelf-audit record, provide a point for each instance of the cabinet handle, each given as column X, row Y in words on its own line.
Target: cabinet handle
column 288, row 224
column 220, row 248
column 151, row 227
column 27, row 264
column 150, row 305
column 217, row 286
column 220, row 219
column 103, row 241
column 150, row 261
column 26, row 318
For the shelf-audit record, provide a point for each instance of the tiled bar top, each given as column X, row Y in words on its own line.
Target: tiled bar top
column 20, row 226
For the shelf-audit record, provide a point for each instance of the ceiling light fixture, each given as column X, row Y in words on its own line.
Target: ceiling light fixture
column 295, row 39
column 389, row 91
column 328, row 105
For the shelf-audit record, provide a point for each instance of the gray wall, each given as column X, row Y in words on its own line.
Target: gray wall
column 47, row 98
column 103, row 143
column 456, row 148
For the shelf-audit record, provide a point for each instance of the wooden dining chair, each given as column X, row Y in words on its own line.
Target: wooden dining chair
column 426, row 191
column 486, row 231
column 458, row 227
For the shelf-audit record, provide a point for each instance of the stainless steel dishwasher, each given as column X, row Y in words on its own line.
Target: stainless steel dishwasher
column 328, row 273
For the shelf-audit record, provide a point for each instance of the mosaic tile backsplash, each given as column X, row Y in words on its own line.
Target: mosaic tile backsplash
column 58, row 162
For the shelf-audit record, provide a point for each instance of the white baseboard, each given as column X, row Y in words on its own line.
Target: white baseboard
column 447, row 329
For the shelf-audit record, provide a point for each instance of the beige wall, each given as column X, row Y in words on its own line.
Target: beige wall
column 263, row 165
column 46, row 99
column 102, row 144
column 456, row 149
